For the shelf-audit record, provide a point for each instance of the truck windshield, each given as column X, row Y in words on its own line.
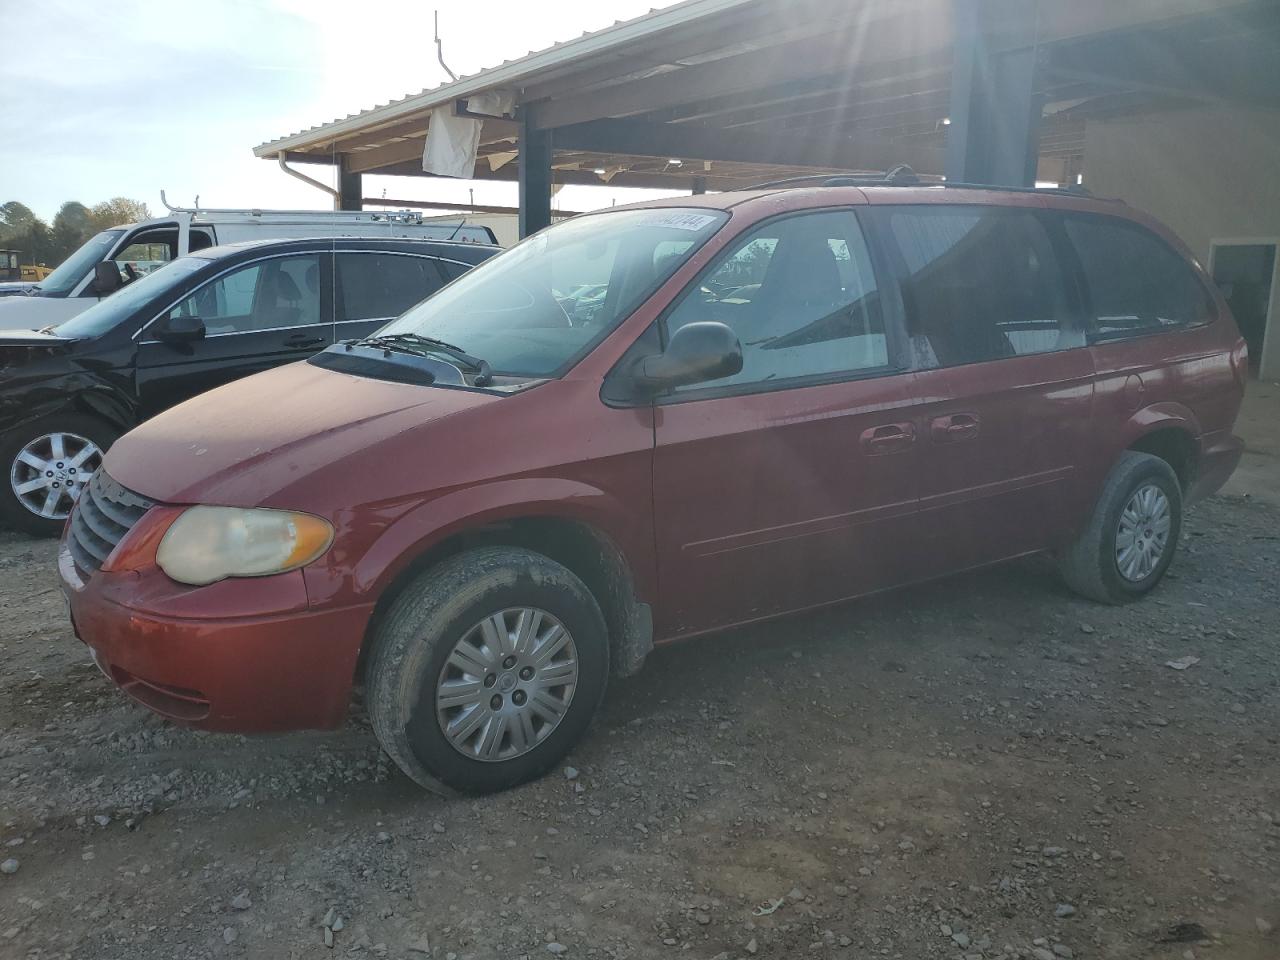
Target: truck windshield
column 72, row 270
column 110, row 311
column 536, row 309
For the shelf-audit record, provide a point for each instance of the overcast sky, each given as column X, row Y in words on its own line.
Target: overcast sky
column 134, row 96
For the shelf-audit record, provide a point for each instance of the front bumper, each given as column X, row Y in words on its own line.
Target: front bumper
column 242, row 664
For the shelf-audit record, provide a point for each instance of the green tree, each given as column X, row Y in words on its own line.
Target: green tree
column 71, row 227
column 22, row 230
column 118, row 210
column 15, row 218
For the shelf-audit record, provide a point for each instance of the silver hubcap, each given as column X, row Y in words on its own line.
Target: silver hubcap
column 50, row 471
column 1143, row 536
column 507, row 684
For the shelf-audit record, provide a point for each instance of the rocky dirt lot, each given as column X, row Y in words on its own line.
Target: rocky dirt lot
column 986, row 767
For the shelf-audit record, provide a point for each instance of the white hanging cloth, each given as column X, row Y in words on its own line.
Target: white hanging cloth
column 452, row 141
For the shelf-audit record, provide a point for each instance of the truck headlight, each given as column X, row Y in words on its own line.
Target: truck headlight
column 208, row 544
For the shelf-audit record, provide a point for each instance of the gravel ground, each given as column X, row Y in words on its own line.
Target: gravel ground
column 982, row 767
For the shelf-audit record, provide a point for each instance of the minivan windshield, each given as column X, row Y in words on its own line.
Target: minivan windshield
column 72, row 270
column 110, row 311
column 536, row 309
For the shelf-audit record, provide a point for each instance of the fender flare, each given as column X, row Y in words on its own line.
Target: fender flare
column 1165, row 415
column 1160, row 416
column 426, row 526
column 625, row 576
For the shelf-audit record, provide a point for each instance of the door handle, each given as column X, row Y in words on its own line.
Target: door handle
column 888, row 438
column 302, row 340
column 954, row 427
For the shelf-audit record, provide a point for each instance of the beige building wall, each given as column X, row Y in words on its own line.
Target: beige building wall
column 1209, row 174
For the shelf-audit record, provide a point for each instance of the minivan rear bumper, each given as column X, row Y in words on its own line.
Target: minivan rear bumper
column 243, row 672
column 1219, row 457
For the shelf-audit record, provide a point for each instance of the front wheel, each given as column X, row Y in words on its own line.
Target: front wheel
column 1131, row 538
column 45, row 465
column 486, row 670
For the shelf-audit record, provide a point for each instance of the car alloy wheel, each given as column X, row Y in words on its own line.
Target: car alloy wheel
column 49, row 473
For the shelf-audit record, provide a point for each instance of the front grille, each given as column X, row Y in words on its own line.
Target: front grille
column 102, row 516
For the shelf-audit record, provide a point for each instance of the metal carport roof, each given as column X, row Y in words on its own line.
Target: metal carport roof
column 740, row 91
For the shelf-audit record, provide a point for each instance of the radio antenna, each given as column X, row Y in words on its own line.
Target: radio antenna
column 440, row 49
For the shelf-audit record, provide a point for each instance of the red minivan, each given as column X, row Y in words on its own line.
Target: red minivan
column 649, row 423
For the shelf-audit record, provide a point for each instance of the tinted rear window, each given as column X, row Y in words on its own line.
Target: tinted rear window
column 1136, row 283
column 383, row 285
column 979, row 283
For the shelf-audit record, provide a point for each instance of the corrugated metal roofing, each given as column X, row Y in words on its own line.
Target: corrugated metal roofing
column 508, row 73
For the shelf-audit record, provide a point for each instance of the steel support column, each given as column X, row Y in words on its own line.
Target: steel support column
column 350, row 188
column 534, row 169
column 995, row 112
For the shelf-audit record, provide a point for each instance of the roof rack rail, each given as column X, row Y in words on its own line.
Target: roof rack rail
column 903, row 176
column 1078, row 191
column 900, row 176
column 376, row 216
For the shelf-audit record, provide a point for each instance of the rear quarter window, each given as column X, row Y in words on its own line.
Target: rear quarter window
column 1135, row 283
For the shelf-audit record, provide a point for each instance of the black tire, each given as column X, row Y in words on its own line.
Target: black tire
column 431, row 615
column 1089, row 565
column 13, row 513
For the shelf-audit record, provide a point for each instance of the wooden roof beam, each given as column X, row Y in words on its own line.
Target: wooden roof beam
column 1172, row 62
column 853, row 113
column 371, row 161
column 886, row 39
column 828, row 93
column 635, row 137
column 666, row 51
column 682, row 180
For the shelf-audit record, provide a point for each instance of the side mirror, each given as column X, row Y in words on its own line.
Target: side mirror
column 106, row 278
column 180, row 330
column 697, row 352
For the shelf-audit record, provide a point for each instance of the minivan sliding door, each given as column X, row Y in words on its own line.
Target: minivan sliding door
column 1001, row 358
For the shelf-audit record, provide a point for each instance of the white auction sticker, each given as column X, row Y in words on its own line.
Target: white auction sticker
column 680, row 220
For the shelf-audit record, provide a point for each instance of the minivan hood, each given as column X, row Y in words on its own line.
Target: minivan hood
column 16, row 288
column 244, row 443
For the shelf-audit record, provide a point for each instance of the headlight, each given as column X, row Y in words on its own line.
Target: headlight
column 207, row 544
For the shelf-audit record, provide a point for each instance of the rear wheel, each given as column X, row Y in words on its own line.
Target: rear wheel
column 1132, row 536
column 486, row 670
column 45, row 465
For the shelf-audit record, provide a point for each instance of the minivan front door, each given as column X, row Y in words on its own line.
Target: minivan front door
column 792, row 483
column 256, row 316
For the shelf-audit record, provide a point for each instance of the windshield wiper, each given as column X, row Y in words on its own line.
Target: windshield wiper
column 483, row 377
